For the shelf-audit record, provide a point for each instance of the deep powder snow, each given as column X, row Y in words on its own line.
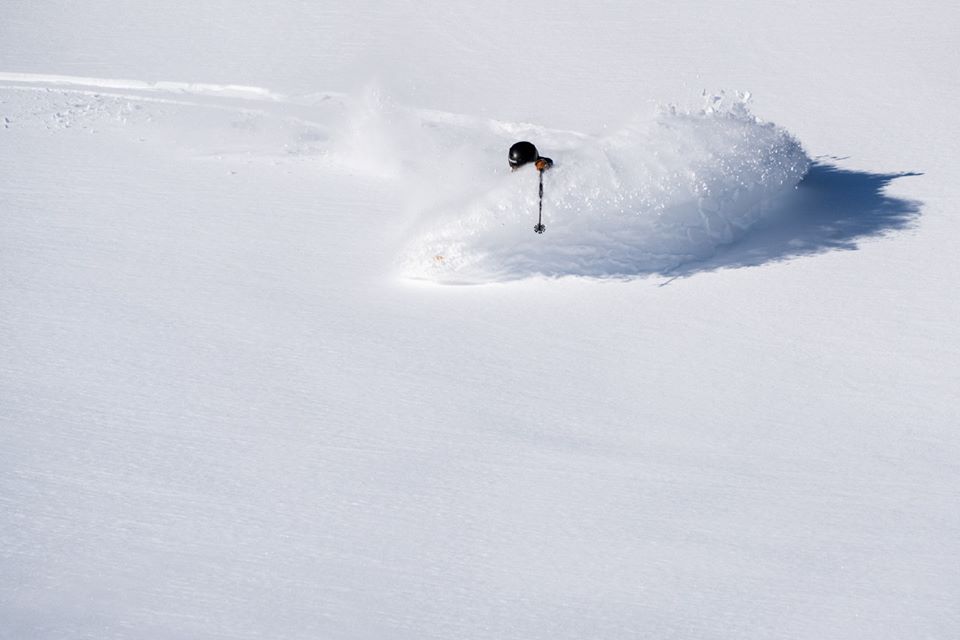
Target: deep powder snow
column 658, row 193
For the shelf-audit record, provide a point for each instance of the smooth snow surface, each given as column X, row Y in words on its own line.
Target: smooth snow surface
column 716, row 400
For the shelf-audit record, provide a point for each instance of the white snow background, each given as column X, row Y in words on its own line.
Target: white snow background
column 717, row 399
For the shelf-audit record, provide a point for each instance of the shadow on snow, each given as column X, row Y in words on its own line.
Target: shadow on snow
column 832, row 208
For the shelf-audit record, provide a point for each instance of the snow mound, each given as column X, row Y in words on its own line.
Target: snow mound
column 661, row 192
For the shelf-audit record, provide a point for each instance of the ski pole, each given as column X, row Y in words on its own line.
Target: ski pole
column 540, row 228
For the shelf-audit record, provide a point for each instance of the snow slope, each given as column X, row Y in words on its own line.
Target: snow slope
column 225, row 412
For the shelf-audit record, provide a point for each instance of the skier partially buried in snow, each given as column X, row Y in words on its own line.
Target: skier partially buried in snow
column 523, row 153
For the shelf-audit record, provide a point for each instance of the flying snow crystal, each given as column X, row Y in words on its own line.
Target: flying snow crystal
column 659, row 193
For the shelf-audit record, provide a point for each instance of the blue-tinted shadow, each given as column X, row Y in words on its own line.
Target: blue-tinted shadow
column 831, row 209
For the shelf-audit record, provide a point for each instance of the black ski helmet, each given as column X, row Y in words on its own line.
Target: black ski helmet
column 521, row 153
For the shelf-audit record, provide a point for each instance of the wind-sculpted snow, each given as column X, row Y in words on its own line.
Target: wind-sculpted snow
column 654, row 195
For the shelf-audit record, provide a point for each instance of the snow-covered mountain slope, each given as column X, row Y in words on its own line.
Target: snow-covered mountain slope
column 227, row 411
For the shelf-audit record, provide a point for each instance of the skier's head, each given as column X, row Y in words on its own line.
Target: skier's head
column 521, row 153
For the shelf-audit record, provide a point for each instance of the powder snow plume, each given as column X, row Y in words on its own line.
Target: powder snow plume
column 663, row 191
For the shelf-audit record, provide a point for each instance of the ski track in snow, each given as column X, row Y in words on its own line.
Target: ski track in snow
column 661, row 192
column 163, row 86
